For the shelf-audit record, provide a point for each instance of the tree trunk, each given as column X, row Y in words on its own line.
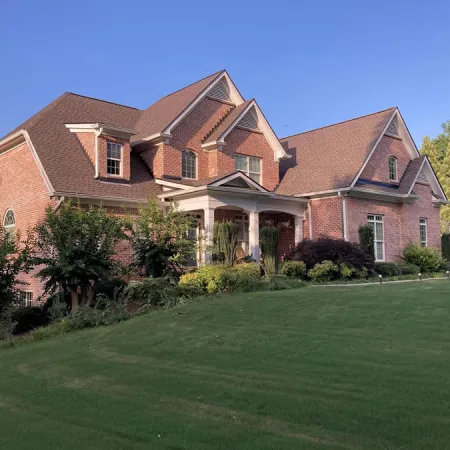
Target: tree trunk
column 90, row 296
column 75, row 299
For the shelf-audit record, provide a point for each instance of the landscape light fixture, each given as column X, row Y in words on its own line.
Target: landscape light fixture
column 381, row 278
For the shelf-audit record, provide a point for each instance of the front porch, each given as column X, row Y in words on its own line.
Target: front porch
column 250, row 209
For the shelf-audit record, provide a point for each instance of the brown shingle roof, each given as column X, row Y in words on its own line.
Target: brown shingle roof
column 159, row 115
column 226, row 122
column 65, row 161
column 330, row 157
column 411, row 172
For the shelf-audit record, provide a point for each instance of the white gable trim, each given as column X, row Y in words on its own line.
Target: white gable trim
column 373, row 149
column 431, row 177
column 234, row 93
column 173, row 184
column 403, row 133
column 241, row 175
column 264, row 126
column 19, row 138
column 417, row 176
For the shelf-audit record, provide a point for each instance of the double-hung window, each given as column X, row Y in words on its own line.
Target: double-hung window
column 188, row 164
column 423, row 232
column 113, row 159
column 393, row 168
column 377, row 225
column 250, row 165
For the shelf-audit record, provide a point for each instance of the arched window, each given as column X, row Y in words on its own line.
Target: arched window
column 9, row 223
column 393, row 168
column 188, row 164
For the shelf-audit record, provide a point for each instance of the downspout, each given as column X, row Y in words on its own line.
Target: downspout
column 344, row 215
column 97, row 134
column 310, row 219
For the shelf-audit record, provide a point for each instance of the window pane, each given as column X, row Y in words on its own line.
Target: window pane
column 379, row 250
column 255, row 165
column 241, row 163
column 188, row 164
column 255, row 177
column 379, row 231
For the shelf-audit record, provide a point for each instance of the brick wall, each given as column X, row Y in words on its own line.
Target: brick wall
column 24, row 191
column 377, row 167
column 401, row 221
column 189, row 133
column 102, row 144
column 249, row 143
column 87, row 141
column 326, row 218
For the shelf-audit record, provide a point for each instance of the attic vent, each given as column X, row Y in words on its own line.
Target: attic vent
column 392, row 129
column 249, row 121
column 422, row 177
column 220, row 91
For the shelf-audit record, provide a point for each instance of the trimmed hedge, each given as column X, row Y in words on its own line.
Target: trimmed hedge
column 294, row 269
column 392, row 269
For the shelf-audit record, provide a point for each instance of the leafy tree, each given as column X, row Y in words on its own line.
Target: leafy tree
column 76, row 248
column 438, row 152
column 161, row 239
column 14, row 259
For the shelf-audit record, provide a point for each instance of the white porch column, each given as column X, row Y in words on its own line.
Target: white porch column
column 208, row 218
column 298, row 229
column 253, row 234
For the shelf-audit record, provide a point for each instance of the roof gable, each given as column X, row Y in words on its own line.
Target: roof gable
column 330, row 158
column 166, row 113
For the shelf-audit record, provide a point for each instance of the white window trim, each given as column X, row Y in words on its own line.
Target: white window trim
column 187, row 150
column 114, row 159
column 26, row 301
column 247, row 172
column 393, row 158
column 426, row 231
column 375, row 241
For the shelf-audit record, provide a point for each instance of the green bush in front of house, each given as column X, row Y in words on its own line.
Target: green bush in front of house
column 427, row 258
column 324, row 271
column 219, row 278
column 294, row 269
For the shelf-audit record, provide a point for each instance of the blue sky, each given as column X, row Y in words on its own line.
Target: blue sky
column 308, row 64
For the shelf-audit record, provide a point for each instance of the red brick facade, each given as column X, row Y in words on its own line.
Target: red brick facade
column 165, row 159
column 126, row 149
column 377, row 168
column 326, row 218
column 24, row 191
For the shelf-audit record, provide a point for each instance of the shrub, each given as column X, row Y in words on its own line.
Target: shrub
column 109, row 288
column 427, row 258
column 445, row 243
column 159, row 292
column 29, row 317
column 269, row 237
column 366, row 240
column 362, row 273
column 336, row 250
column 346, row 272
column 387, row 269
column 217, row 278
column 294, row 269
column 225, row 242
column 324, row 271
column 408, row 269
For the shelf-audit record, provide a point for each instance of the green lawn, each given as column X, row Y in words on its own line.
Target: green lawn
column 362, row 367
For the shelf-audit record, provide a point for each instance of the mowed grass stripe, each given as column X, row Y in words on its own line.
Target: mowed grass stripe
column 315, row 367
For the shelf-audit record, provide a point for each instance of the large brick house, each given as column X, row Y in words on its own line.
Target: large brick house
column 215, row 154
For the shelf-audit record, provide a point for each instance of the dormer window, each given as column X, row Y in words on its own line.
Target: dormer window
column 393, row 169
column 113, row 159
column 188, row 164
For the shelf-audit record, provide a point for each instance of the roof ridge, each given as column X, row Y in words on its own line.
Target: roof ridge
column 339, row 123
column 104, row 101
column 195, row 82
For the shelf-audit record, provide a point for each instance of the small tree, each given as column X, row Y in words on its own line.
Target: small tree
column 225, row 242
column 366, row 240
column 77, row 249
column 161, row 239
column 269, row 237
column 14, row 259
column 445, row 244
